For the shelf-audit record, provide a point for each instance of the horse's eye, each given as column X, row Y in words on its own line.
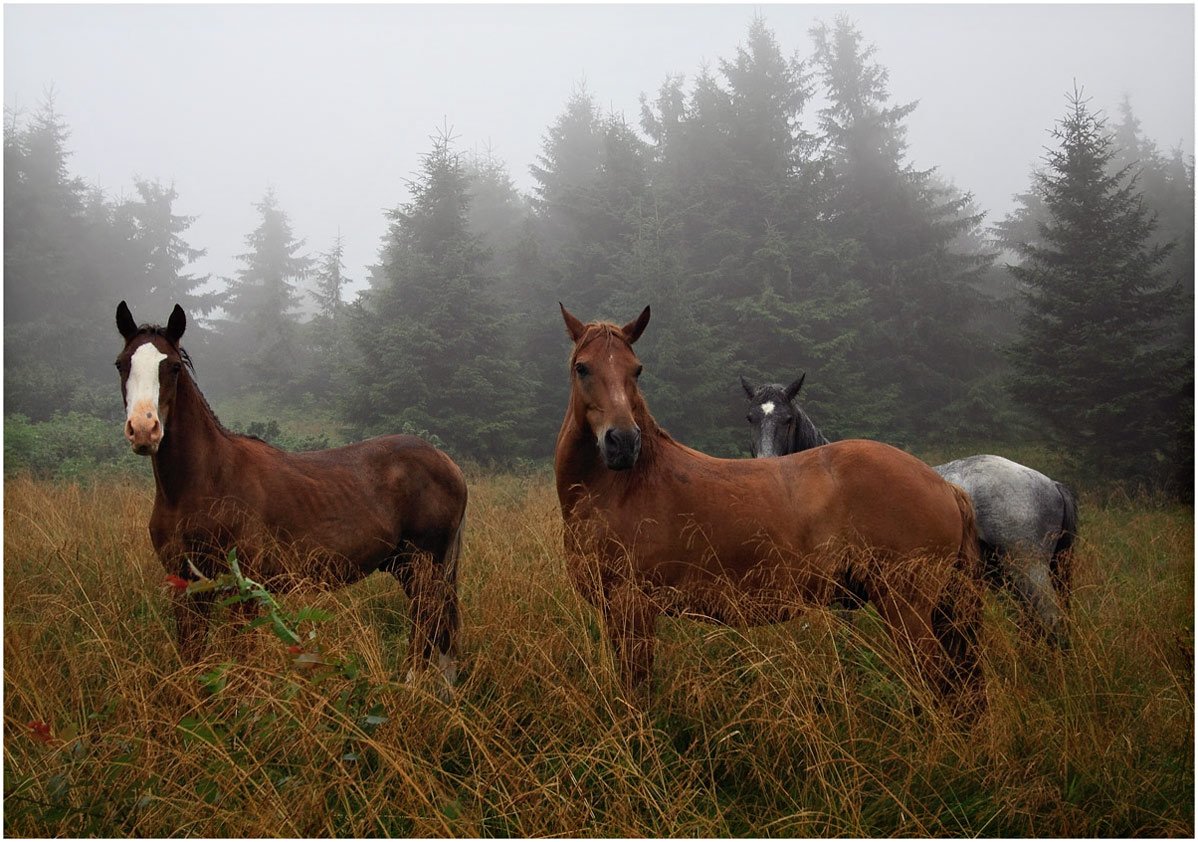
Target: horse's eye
column 638, row 371
column 581, row 369
column 176, row 367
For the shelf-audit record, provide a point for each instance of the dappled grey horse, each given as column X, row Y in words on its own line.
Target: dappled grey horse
column 1026, row 521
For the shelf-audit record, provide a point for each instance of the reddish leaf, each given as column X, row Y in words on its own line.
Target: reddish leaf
column 41, row 731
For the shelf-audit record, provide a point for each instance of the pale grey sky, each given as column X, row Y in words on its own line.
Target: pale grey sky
column 332, row 105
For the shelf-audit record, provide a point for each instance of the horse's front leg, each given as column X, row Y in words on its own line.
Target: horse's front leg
column 192, row 612
column 241, row 614
column 631, row 619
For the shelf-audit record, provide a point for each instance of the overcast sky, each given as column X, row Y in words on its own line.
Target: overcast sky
column 332, row 105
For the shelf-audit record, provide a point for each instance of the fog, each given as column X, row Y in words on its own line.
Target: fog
column 845, row 193
column 332, row 106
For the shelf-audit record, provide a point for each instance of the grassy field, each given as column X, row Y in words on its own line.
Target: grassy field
column 803, row 729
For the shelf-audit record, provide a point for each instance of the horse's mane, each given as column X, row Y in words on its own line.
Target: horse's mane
column 806, row 434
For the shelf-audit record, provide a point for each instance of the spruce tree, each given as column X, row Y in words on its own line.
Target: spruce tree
column 687, row 365
column 738, row 184
column 498, row 212
column 590, row 181
column 156, row 238
column 65, row 266
column 896, row 225
column 329, row 281
column 434, row 355
column 1092, row 362
column 260, row 339
column 327, row 334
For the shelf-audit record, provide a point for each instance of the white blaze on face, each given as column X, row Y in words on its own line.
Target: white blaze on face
column 766, row 434
column 141, row 389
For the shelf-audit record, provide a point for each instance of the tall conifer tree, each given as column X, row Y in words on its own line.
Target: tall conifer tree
column 1092, row 362
column 261, row 341
column 327, row 331
column 435, row 357
column 156, row 237
column 897, row 225
column 64, row 264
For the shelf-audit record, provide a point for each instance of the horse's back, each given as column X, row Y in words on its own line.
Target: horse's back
column 887, row 496
column 1016, row 506
column 357, row 502
column 402, row 472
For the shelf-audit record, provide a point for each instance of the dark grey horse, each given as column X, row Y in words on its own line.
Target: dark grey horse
column 1026, row 521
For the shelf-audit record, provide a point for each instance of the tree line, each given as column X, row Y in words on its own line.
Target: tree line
column 765, row 247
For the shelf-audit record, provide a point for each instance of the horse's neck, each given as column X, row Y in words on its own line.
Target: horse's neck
column 193, row 447
column 581, row 473
column 806, row 435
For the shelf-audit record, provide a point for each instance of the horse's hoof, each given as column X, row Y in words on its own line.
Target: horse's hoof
column 445, row 677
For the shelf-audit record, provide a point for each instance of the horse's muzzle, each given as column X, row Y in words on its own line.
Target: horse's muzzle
column 144, row 436
column 620, row 448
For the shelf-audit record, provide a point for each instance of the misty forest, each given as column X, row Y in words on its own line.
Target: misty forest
column 765, row 249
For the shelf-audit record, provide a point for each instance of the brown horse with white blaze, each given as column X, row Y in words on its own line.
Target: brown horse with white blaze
column 653, row 527
column 328, row 517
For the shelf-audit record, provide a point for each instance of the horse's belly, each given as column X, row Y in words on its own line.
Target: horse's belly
column 747, row 591
column 743, row 575
column 323, row 552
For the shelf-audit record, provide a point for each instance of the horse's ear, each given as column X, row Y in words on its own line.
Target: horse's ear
column 573, row 326
column 792, row 391
column 124, row 321
column 634, row 329
column 748, row 387
column 176, row 325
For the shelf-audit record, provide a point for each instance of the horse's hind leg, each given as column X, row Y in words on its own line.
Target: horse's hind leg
column 956, row 620
column 1031, row 578
column 909, row 625
column 939, row 638
column 433, row 609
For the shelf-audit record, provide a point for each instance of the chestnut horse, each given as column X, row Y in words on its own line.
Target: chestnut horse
column 1027, row 522
column 393, row 503
column 653, row 527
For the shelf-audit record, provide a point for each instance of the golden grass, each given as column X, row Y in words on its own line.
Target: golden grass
column 801, row 729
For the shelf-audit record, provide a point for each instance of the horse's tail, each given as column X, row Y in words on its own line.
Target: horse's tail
column 958, row 613
column 1061, row 564
column 452, row 555
column 449, row 618
column 969, row 553
column 453, row 552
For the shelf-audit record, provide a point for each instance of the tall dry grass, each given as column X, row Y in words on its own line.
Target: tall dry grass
column 801, row 729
